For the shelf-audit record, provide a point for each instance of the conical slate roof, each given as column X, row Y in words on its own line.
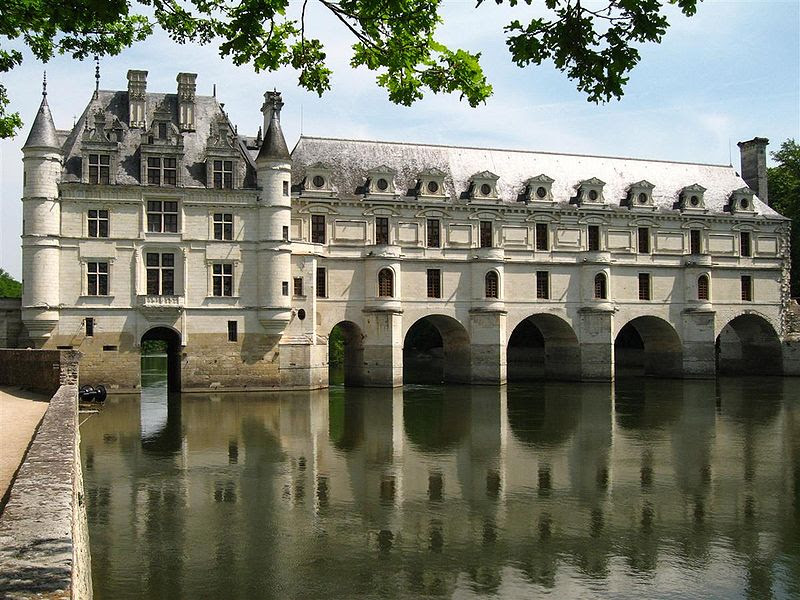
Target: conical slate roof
column 274, row 146
column 43, row 132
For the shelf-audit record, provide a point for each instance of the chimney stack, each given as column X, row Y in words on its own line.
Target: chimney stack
column 754, row 166
column 186, row 91
column 137, row 99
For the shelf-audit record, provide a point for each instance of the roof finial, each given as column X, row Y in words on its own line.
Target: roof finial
column 214, row 92
column 96, row 75
column 44, row 84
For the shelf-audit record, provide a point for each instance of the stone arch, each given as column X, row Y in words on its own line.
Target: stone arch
column 436, row 348
column 346, row 354
column 386, row 283
column 543, row 346
column 172, row 338
column 748, row 344
column 648, row 345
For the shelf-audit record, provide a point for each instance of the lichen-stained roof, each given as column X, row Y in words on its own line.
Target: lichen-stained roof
column 351, row 160
column 43, row 133
column 115, row 104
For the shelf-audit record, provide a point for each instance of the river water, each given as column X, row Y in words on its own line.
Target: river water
column 641, row 489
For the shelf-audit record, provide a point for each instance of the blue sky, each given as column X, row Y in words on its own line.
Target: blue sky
column 730, row 73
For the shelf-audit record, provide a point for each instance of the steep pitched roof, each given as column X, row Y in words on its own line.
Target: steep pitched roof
column 274, row 146
column 43, row 132
column 350, row 160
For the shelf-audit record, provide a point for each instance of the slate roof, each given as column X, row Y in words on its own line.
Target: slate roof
column 350, row 161
column 115, row 105
column 43, row 132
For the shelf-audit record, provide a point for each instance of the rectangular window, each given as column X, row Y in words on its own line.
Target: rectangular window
column 285, row 233
column 97, row 279
column 223, row 174
column 162, row 170
column 486, row 234
column 223, row 226
column 703, row 292
column 747, row 288
column 594, row 238
column 222, row 279
column 434, row 283
column 433, row 231
column 298, row 287
column 744, row 244
column 318, row 229
column 285, row 188
column 99, row 168
column 160, row 274
column 89, row 322
column 285, row 288
column 542, row 284
column 381, row 230
column 98, row 223
column 162, row 216
column 541, row 237
column 694, row 241
column 644, row 286
column 233, row 331
column 322, row 292
column 162, row 131
column 644, row 240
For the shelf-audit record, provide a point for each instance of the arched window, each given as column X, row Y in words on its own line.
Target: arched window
column 386, row 283
column 492, row 285
column 703, row 292
column 600, row 286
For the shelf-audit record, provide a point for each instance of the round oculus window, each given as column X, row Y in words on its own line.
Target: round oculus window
column 694, row 200
column 433, row 187
column 541, row 191
column 486, row 189
column 301, row 314
column 744, row 203
column 318, row 181
column 642, row 198
column 593, row 194
column 383, row 185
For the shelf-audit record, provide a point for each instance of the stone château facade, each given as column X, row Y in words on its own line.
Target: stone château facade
column 154, row 218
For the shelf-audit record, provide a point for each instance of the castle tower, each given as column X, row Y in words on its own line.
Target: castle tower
column 41, row 223
column 273, row 167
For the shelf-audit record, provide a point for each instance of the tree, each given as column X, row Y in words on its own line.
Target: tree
column 393, row 38
column 784, row 194
column 9, row 287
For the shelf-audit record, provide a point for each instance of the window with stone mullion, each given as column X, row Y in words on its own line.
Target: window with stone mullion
column 160, row 274
column 99, row 168
column 97, row 278
column 222, row 279
column 222, row 174
column 98, row 223
column 162, row 216
column 223, row 226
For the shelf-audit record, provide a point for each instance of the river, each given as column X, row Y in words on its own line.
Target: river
column 639, row 489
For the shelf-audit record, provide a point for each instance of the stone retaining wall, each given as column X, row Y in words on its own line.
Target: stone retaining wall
column 39, row 370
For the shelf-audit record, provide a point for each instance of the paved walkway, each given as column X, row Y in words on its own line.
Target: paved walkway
column 20, row 414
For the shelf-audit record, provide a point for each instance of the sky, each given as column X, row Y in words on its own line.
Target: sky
column 730, row 73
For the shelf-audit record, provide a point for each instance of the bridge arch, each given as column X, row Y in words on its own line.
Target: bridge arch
column 748, row 344
column 436, row 348
column 167, row 340
column 648, row 345
column 346, row 354
column 543, row 346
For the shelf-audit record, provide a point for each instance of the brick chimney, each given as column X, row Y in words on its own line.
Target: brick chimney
column 186, row 91
column 754, row 166
column 137, row 99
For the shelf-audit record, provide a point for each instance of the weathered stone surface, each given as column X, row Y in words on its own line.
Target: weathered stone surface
column 39, row 370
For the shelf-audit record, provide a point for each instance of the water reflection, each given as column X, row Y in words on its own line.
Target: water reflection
column 643, row 489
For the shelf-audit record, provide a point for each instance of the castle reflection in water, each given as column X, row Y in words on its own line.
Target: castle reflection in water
column 645, row 488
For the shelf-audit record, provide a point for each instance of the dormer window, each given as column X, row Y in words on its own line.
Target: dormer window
column 222, row 156
column 483, row 186
column 162, row 170
column 430, row 184
column 223, row 174
column 590, row 191
column 161, row 150
column 317, row 180
column 691, row 197
column 380, row 180
column 538, row 189
column 162, row 131
column 99, row 169
column 742, row 201
column 640, row 195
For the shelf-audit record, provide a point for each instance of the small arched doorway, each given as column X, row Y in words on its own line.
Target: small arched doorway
column 543, row 346
column 648, row 346
column 749, row 345
column 346, row 355
column 161, row 351
column 436, row 349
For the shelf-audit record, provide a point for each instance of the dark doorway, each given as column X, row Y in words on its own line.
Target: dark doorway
column 164, row 343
